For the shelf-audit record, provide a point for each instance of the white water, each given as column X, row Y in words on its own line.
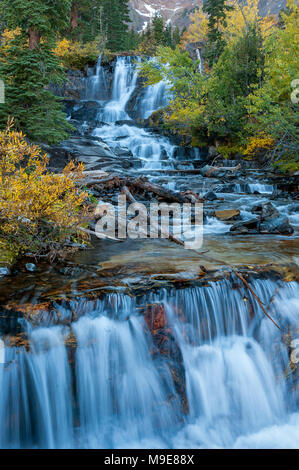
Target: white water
column 155, row 97
column 153, row 150
column 96, row 85
column 114, row 395
column 124, row 82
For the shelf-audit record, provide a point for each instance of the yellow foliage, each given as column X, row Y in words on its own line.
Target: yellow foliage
column 243, row 15
column 236, row 20
column 75, row 54
column 39, row 210
column 198, row 29
column 257, row 143
column 8, row 35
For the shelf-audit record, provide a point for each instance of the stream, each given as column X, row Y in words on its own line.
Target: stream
column 143, row 344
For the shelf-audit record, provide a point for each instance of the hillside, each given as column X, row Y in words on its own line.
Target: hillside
column 178, row 11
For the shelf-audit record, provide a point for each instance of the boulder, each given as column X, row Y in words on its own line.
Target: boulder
column 123, row 152
column 245, row 226
column 210, row 196
column 271, row 221
column 228, row 214
column 86, row 111
column 280, row 225
column 265, row 210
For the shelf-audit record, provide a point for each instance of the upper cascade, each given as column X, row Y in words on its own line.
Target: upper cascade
column 114, row 92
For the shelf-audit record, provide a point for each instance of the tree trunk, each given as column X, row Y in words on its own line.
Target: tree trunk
column 34, row 38
column 74, row 16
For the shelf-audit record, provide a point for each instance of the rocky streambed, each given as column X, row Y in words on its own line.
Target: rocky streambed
column 143, row 343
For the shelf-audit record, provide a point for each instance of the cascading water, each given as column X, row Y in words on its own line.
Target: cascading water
column 106, row 389
column 97, row 85
column 155, row 97
column 124, row 82
column 154, row 151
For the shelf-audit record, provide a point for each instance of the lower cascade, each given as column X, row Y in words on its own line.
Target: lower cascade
column 187, row 368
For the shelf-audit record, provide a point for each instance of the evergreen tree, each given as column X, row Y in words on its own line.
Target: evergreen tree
column 85, row 20
column 216, row 11
column 168, row 36
column 176, row 39
column 158, row 30
column 115, row 23
column 29, row 66
column 234, row 76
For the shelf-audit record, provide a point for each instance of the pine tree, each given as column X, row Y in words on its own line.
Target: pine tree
column 85, row 20
column 176, row 39
column 168, row 35
column 115, row 23
column 216, row 11
column 29, row 66
column 158, row 30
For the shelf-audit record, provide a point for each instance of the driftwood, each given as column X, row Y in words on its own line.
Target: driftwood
column 256, row 297
column 116, row 181
column 210, row 170
column 164, row 193
column 131, row 198
column 99, row 235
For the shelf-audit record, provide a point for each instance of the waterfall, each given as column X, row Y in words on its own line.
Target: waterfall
column 200, row 69
column 98, row 384
column 260, row 188
column 113, row 95
column 124, row 82
column 96, row 85
column 155, row 97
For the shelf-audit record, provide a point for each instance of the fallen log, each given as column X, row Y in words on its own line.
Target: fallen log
column 166, row 194
column 210, row 170
column 131, row 198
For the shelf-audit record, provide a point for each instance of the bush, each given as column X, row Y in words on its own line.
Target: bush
column 75, row 55
column 39, row 210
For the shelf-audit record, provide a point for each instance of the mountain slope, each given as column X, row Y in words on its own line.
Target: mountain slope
column 178, row 11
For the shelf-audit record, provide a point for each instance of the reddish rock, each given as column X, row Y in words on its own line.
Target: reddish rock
column 155, row 317
column 168, row 350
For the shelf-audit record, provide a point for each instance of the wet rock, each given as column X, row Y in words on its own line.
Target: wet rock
column 228, row 214
column 4, row 272
column 123, row 152
column 167, row 349
column 271, row 221
column 155, row 317
column 210, row 196
column 265, row 210
column 279, row 225
column 245, row 226
column 86, row 111
column 30, row 267
column 164, row 155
